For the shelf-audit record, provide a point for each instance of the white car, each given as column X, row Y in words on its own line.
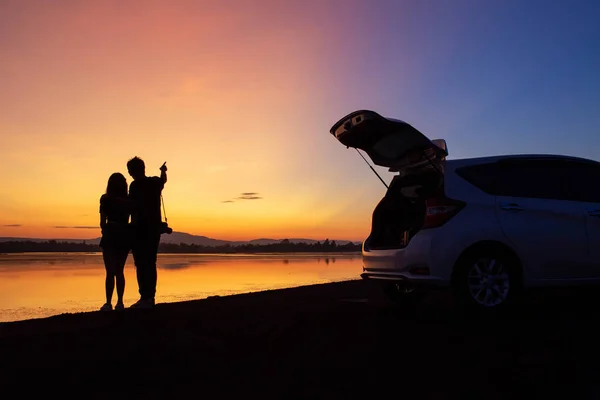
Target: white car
column 485, row 227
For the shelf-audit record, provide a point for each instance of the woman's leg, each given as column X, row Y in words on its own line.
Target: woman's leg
column 108, row 255
column 120, row 276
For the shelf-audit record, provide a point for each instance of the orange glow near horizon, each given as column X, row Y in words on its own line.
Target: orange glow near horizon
column 222, row 93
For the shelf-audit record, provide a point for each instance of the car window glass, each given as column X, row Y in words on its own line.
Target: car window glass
column 549, row 179
column 533, row 179
column 585, row 182
column 483, row 176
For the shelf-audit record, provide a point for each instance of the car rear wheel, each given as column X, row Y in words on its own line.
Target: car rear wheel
column 487, row 280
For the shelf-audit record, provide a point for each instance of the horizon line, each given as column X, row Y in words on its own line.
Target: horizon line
column 191, row 234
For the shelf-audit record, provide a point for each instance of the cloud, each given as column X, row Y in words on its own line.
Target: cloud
column 75, row 227
column 249, row 196
column 245, row 196
column 12, row 225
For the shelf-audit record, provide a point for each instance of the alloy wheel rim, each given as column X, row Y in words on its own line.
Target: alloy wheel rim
column 488, row 282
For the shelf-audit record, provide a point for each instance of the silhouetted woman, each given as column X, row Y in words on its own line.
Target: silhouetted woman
column 114, row 221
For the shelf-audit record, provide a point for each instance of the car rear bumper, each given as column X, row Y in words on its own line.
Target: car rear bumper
column 412, row 279
column 413, row 264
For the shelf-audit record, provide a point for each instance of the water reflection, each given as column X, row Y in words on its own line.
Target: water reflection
column 37, row 285
column 176, row 266
column 327, row 260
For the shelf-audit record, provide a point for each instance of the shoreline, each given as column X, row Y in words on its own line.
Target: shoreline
column 95, row 308
column 283, row 246
column 183, row 303
column 335, row 340
column 307, row 253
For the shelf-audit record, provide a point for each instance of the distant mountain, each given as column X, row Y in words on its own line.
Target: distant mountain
column 263, row 241
column 186, row 238
column 182, row 237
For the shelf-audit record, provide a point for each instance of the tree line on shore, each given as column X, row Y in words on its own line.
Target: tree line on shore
column 284, row 246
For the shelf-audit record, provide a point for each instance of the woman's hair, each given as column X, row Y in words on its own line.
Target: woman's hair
column 117, row 185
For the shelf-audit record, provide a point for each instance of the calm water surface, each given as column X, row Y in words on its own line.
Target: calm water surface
column 36, row 285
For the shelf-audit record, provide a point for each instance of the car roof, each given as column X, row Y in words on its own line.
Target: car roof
column 490, row 159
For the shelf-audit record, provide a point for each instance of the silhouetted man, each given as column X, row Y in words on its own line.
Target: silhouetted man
column 145, row 192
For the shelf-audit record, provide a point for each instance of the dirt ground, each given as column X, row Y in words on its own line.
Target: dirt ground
column 332, row 341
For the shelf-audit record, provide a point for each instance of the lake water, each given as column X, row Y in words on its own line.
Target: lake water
column 36, row 285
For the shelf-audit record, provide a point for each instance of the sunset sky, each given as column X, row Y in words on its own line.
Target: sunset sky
column 238, row 97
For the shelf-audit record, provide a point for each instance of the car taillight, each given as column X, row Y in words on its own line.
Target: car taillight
column 440, row 210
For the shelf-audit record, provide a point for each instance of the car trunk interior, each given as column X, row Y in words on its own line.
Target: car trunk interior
column 400, row 214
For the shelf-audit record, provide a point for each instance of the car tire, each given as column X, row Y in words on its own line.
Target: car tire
column 487, row 280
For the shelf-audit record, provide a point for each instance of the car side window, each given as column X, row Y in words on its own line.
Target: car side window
column 585, row 182
column 538, row 179
column 570, row 180
column 516, row 178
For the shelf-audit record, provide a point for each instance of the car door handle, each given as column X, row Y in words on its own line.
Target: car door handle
column 594, row 213
column 511, row 207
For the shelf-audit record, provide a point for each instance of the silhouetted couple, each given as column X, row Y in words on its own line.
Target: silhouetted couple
column 141, row 235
